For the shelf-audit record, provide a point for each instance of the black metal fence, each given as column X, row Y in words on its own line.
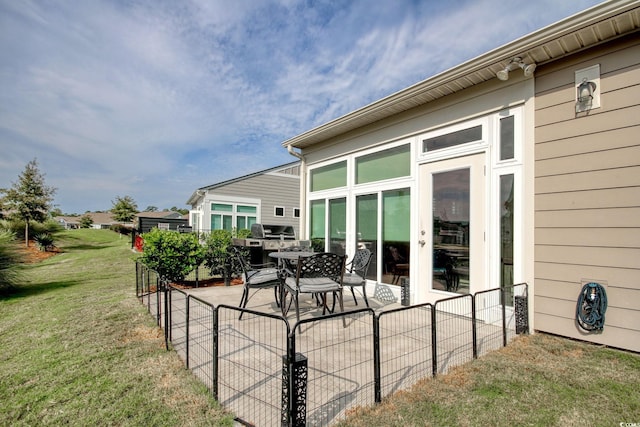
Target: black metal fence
column 268, row 373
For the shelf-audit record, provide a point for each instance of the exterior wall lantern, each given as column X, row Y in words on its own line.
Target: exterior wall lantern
column 587, row 84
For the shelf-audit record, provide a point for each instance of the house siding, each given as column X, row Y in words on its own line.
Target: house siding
column 587, row 194
column 274, row 189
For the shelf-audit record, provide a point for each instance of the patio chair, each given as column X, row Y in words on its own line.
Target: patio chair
column 318, row 274
column 356, row 273
column 256, row 276
column 443, row 268
column 398, row 265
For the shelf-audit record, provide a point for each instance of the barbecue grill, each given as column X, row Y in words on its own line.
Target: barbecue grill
column 269, row 238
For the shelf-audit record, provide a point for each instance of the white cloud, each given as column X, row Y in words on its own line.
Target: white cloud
column 156, row 98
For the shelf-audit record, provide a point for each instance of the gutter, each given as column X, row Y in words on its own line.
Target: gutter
column 302, row 225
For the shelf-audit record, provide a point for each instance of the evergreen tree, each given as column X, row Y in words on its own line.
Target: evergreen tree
column 124, row 209
column 86, row 221
column 29, row 199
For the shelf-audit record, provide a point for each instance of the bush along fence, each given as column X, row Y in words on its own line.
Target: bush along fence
column 269, row 373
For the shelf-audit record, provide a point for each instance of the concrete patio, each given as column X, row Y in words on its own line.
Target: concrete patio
column 339, row 350
column 381, row 297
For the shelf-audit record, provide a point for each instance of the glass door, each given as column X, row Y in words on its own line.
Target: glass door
column 452, row 226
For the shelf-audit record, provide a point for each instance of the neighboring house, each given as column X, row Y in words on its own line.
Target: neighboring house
column 68, row 222
column 101, row 220
column 165, row 220
column 270, row 196
column 533, row 179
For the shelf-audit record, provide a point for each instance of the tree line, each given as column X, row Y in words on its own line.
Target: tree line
column 29, row 200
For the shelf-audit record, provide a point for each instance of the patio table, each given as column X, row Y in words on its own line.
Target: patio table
column 286, row 259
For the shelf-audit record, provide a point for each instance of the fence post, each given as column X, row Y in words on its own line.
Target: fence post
column 169, row 322
column 405, row 291
column 504, row 314
column 377, row 377
column 434, row 342
column 186, row 338
column 474, row 324
column 521, row 308
column 158, row 302
column 215, row 350
column 148, row 290
column 294, row 387
column 166, row 314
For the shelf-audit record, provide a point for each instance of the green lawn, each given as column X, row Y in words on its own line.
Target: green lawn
column 537, row 380
column 77, row 348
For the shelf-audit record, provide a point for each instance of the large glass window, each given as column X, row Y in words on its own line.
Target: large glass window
column 330, row 176
column 452, row 139
column 395, row 234
column 337, row 225
column 317, row 221
column 367, row 229
column 386, row 164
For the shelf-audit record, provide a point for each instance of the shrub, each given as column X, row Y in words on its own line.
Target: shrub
column 172, row 255
column 8, row 261
column 86, row 221
column 121, row 228
column 218, row 258
column 44, row 241
column 16, row 227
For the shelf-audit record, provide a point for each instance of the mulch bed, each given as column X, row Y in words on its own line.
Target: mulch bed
column 32, row 254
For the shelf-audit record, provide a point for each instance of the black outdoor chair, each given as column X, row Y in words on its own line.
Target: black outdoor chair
column 397, row 264
column 356, row 273
column 318, row 274
column 256, row 276
column 443, row 268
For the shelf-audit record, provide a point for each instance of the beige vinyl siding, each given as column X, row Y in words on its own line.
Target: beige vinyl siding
column 587, row 194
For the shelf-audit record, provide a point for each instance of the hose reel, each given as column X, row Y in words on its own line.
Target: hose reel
column 592, row 304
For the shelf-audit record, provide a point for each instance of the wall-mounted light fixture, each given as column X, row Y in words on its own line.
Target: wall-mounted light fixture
column 587, row 84
column 514, row 64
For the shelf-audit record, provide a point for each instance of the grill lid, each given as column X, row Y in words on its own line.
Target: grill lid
column 264, row 231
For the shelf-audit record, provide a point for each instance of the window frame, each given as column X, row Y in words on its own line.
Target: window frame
column 456, row 150
column 233, row 213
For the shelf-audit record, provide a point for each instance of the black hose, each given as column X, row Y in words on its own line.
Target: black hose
column 592, row 304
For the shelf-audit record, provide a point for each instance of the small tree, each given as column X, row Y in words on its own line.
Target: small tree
column 29, row 199
column 124, row 209
column 172, row 255
column 86, row 221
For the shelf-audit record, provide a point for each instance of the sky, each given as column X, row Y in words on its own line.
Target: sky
column 153, row 99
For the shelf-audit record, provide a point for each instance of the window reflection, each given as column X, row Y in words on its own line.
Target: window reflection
column 506, row 234
column 337, row 226
column 451, row 224
column 395, row 234
column 367, row 229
